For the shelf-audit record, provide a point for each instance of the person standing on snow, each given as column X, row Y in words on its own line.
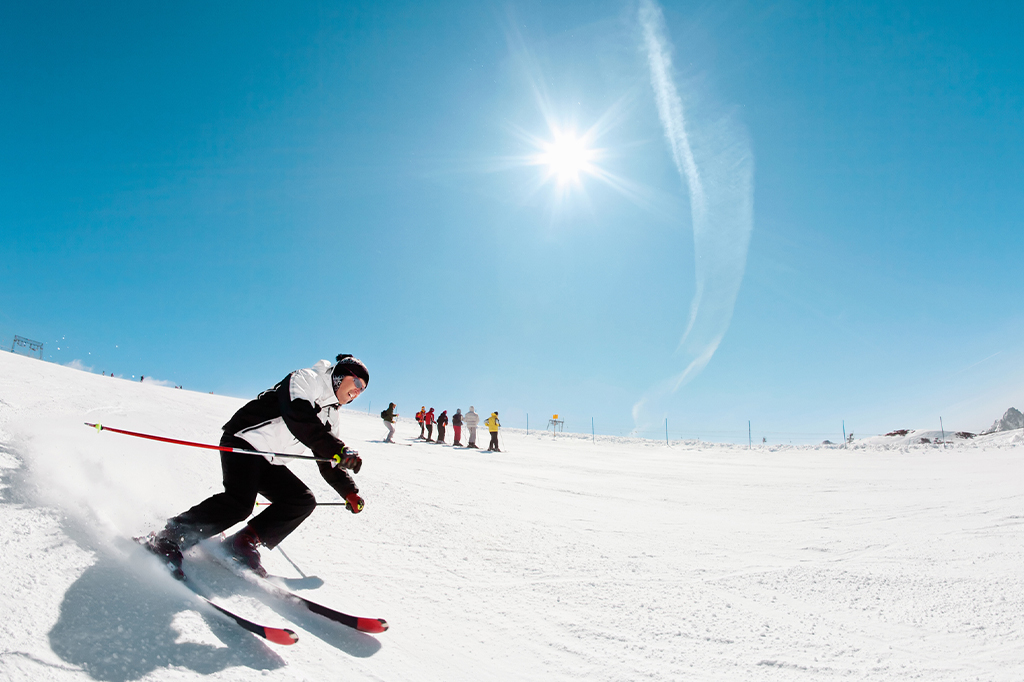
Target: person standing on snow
column 493, row 425
column 471, row 419
column 388, row 416
column 428, row 419
column 457, row 428
column 442, row 422
column 298, row 413
column 419, row 419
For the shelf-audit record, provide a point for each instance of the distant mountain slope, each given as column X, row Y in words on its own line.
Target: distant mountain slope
column 1011, row 420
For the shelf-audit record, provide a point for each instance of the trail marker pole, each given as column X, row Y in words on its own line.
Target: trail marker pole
column 527, row 423
column 750, row 439
column 556, row 425
column 844, row 433
column 666, row 432
column 943, row 428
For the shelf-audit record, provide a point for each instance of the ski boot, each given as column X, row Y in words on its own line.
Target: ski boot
column 166, row 549
column 243, row 548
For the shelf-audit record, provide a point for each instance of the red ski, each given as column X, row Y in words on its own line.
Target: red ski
column 373, row 626
column 276, row 635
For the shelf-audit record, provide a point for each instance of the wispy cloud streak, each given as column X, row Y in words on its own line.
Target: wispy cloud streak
column 714, row 159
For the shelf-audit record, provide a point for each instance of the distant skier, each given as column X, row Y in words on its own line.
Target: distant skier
column 388, row 416
column 457, row 428
column 299, row 412
column 493, row 425
column 471, row 419
column 442, row 421
column 428, row 419
column 419, row 419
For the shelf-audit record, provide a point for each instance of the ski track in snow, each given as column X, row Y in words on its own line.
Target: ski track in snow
column 561, row 560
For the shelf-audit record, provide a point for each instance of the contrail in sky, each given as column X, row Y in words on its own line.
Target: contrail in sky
column 714, row 159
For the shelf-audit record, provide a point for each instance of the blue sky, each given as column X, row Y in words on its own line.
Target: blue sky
column 215, row 196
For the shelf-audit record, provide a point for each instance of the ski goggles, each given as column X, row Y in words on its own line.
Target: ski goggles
column 358, row 386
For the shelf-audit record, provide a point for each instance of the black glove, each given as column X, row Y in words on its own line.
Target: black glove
column 347, row 459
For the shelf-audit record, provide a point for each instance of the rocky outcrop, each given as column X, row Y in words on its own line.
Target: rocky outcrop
column 1013, row 419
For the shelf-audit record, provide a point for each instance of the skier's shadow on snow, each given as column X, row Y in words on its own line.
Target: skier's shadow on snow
column 116, row 623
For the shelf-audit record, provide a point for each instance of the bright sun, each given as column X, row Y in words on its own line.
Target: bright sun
column 566, row 157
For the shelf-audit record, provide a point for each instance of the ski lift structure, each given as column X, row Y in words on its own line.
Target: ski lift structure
column 32, row 346
column 555, row 424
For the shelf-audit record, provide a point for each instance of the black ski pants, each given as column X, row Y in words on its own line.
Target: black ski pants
column 494, row 441
column 244, row 477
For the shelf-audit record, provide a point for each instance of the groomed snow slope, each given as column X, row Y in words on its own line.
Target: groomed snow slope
column 559, row 559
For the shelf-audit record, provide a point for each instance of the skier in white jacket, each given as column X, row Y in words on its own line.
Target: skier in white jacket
column 299, row 413
column 470, row 420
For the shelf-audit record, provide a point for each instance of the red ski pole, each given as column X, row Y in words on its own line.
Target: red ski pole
column 162, row 439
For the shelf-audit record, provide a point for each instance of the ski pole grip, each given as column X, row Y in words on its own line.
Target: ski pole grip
column 353, row 462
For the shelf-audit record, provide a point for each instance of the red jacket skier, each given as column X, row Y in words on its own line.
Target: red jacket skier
column 428, row 419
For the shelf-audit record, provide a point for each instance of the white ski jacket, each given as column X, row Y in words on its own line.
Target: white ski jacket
column 297, row 414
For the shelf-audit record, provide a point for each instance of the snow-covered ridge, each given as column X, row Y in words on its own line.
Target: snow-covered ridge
column 561, row 558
